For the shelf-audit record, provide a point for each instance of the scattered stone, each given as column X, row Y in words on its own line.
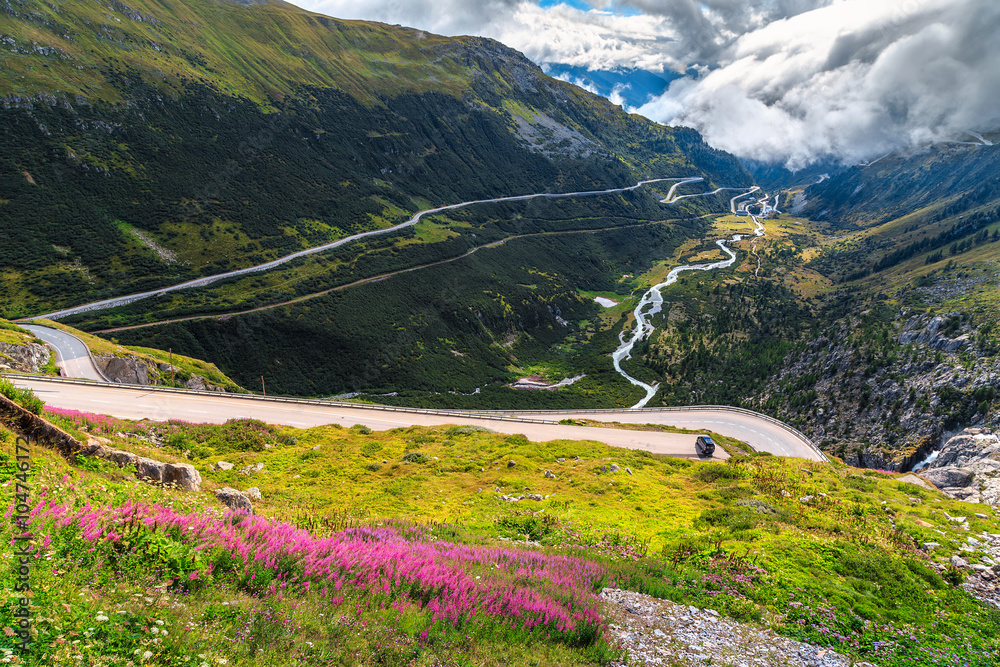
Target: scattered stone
column 614, row 467
column 923, row 524
column 511, row 464
column 785, row 494
column 560, row 460
column 805, row 499
column 223, row 465
column 659, row 632
column 949, row 476
column 549, row 474
column 183, row 476
column 250, row 469
column 533, row 496
column 928, row 546
column 981, row 516
column 253, row 493
column 958, row 561
column 234, row 500
column 628, row 470
column 316, row 448
column 916, row 481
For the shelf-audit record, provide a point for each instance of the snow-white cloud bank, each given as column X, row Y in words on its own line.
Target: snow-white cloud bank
column 793, row 81
column 850, row 81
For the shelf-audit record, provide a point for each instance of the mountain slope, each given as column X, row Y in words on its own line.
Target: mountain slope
column 134, row 135
column 152, row 143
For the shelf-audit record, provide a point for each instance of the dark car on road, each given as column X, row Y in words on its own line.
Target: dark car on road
column 705, row 446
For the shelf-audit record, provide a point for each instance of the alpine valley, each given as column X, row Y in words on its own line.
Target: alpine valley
column 215, row 199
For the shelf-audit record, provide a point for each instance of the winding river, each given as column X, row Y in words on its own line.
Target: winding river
column 652, row 301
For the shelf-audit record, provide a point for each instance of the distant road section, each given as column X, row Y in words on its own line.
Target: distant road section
column 267, row 266
column 71, row 354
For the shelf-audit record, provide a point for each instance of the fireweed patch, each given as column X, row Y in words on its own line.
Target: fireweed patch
column 452, row 586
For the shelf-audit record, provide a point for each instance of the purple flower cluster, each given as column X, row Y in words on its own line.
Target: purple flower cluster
column 101, row 424
column 453, row 584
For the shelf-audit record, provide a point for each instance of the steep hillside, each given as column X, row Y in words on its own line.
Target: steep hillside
column 895, row 185
column 149, row 143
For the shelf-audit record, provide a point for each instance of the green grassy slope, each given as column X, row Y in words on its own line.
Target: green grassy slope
column 840, row 568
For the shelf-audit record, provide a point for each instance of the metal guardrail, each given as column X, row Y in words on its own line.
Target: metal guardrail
column 688, row 408
column 499, row 415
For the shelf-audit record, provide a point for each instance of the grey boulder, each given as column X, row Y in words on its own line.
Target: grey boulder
column 234, row 500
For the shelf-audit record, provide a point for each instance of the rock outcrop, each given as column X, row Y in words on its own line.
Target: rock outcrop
column 967, row 467
column 234, row 500
column 884, row 394
column 182, row 475
column 918, row 330
column 28, row 358
column 123, row 370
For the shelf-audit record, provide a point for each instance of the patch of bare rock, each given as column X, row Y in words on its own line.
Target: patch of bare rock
column 660, row 632
column 967, row 467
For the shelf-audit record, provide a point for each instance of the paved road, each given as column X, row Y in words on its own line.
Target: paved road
column 762, row 434
column 160, row 405
column 267, row 266
column 71, row 354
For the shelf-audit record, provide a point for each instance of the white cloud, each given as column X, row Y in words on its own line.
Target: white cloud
column 850, row 81
column 558, row 34
column 779, row 80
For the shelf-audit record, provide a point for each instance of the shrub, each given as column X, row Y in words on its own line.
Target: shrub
column 23, row 397
column 362, row 429
column 467, row 430
column 415, row 457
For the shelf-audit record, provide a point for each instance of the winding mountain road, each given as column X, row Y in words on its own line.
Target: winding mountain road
column 267, row 266
column 72, row 354
column 161, row 403
column 158, row 403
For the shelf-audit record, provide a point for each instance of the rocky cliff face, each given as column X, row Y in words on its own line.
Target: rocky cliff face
column 130, row 370
column 967, row 467
column 29, row 358
column 885, row 394
column 123, row 370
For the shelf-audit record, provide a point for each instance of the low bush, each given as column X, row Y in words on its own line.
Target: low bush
column 23, row 397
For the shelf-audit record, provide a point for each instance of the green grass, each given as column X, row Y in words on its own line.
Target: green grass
column 840, row 570
column 12, row 334
column 23, row 397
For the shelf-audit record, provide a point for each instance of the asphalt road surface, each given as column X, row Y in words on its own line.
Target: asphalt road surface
column 160, row 404
column 139, row 403
column 71, row 354
column 762, row 434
